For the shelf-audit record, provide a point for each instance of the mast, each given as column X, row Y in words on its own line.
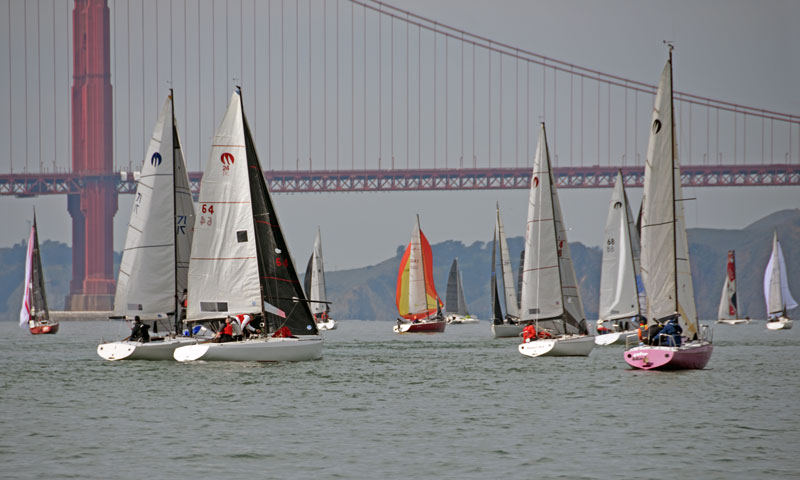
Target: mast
column 672, row 159
column 630, row 241
column 555, row 229
column 175, row 146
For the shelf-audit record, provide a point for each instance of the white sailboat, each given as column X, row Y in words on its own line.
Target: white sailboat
column 550, row 299
column 314, row 283
column 666, row 269
column 508, row 325
column 776, row 290
column 155, row 261
column 620, row 276
column 454, row 302
column 240, row 263
column 728, row 312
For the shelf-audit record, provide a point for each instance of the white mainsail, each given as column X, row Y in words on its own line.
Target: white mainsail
column 776, row 285
column 154, row 264
column 317, row 283
column 728, row 309
column 223, row 273
column 27, row 296
column 506, row 271
column 619, row 292
column 665, row 251
column 417, row 297
column 549, row 285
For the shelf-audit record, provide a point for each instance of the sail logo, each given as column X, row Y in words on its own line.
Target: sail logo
column 656, row 126
column 227, row 160
column 535, row 182
column 155, row 160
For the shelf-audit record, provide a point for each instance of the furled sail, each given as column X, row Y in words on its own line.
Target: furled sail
column 549, row 286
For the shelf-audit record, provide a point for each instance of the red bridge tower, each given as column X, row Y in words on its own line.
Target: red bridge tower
column 92, row 211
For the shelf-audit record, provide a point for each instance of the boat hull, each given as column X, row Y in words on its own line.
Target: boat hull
column 567, row 346
column 613, row 338
column 461, row 320
column 294, row 349
column 738, row 321
column 156, row 350
column 693, row 355
column 421, row 327
column 329, row 325
column 51, row 329
column 507, row 330
column 782, row 323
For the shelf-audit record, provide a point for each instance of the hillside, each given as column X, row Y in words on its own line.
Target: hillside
column 368, row 292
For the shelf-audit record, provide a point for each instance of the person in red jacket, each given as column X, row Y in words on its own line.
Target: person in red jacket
column 225, row 334
column 528, row 334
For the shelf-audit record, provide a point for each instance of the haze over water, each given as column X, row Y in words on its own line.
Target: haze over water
column 381, row 405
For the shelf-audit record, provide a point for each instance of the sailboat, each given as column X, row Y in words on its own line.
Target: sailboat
column 155, row 261
column 34, row 313
column 508, row 325
column 240, row 262
column 550, row 299
column 314, row 284
column 776, row 290
column 455, row 305
column 416, row 298
column 728, row 312
column 665, row 252
column 620, row 276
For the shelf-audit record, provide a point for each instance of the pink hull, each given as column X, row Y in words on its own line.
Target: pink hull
column 427, row 327
column 40, row 329
column 669, row 358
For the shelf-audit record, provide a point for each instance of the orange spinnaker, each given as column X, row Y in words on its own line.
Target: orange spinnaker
column 401, row 296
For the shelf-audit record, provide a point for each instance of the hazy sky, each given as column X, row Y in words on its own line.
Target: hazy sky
column 742, row 52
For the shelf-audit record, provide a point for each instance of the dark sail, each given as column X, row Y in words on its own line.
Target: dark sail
column 454, row 298
column 38, row 295
column 497, row 311
column 280, row 286
column 307, row 278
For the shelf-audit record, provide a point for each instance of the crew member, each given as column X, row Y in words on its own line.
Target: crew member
column 528, row 333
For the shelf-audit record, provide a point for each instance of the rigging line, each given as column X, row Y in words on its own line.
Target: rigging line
column 297, row 82
column 544, row 93
column 555, row 113
column 309, row 86
column 283, row 120
column 39, row 76
column 325, row 85
column 25, row 76
column 55, row 137
column 337, row 84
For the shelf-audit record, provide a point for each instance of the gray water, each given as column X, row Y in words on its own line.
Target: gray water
column 381, row 405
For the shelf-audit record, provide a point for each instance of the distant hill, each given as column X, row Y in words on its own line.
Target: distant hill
column 368, row 292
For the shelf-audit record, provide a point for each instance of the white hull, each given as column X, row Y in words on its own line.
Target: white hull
column 614, row 338
column 270, row 349
column 782, row 323
column 329, row 325
column 461, row 319
column 157, row 350
column 738, row 321
column 507, row 330
column 566, row 346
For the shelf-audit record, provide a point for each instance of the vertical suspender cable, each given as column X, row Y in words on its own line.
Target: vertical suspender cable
column 380, row 86
column 69, row 45
column 352, row 86
column 555, row 113
column 25, row 76
column 489, row 112
column 461, row 162
column 325, row 85
column 337, row 85
column 269, row 83
column 527, row 112
column 297, row 83
column 10, row 122
column 128, row 71
column 391, row 90
column 309, row 86
column 474, row 79
column 283, row 119
column 446, row 99
column 516, row 111
column 435, row 59
column 39, row 77
column 571, row 113
column 419, row 96
column 408, row 123
column 364, row 47
column 500, row 113
column 55, row 137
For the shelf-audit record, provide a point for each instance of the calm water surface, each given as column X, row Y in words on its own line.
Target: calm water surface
column 381, row 405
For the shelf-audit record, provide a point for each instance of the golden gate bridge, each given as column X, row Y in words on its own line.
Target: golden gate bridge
column 343, row 95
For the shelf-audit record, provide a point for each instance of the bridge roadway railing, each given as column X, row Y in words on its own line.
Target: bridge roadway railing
column 27, row 185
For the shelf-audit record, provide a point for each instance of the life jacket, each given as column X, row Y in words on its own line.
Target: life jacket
column 641, row 331
column 528, row 332
column 227, row 329
column 282, row 332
